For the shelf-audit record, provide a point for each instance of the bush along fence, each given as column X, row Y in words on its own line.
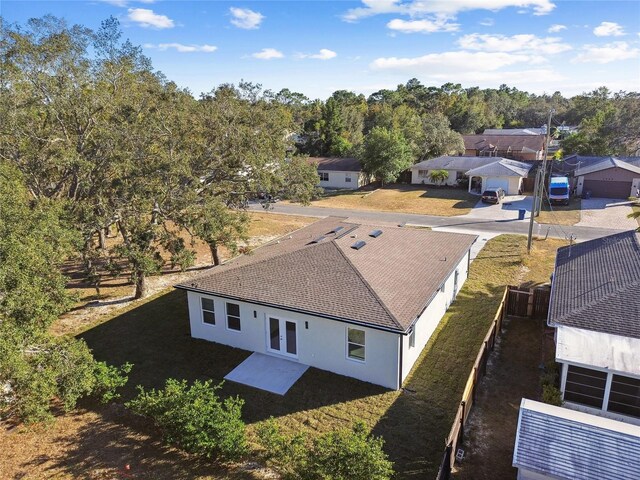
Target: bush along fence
column 532, row 303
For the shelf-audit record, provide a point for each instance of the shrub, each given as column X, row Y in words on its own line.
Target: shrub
column 348, row 455
column 109, row 378
column 339, row 455
column 551, row 395
column 194, row 419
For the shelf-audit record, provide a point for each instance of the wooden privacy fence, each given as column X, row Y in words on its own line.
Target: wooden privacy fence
column 515, row 301
column 456, row 435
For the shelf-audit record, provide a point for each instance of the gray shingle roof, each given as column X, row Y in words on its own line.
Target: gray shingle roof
column 336, row 164
column 517, row 143
column 596, row 283
column 605, row 164
column 501, row 168
column 564, row 444
column 386, row 284
column 447, row 162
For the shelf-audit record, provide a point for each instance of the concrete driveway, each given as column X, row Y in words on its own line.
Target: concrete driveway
column 607, row 213
column 507, row 210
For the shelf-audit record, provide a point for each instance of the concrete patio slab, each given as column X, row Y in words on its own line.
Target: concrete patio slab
column 275, row 375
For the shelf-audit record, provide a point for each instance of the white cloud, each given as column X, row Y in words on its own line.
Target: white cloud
column 116, row 3
column 455, row 62
column 531, row 76
column 611, row 52
column 487, row 22
column 439, row 24
column 418, row 8
column 323, row 54
column 245, row 18
column 523, row 43
column 182, row 48
column 147, row 18
column 556, row 27
column 268, row 54
column 608, row 29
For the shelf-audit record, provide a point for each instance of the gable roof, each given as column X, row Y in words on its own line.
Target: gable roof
column 571, row 163
column 447, row 162
column 595, row 285
column 502, row 168
column 385, row 284
column 565, row 444
column 605, row 164
column 336, row 164
column 517, row 143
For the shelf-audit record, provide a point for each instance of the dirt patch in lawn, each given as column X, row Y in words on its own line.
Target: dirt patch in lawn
column 444, row 201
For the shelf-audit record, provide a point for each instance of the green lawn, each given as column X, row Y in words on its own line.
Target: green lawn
column 155, row 337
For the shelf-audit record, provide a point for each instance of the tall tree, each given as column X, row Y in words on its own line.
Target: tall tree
column 385, row 154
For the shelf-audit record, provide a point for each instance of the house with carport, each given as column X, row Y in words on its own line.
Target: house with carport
column 353, row 299
column 503, row 173
column 456, row 167
column 595, row 309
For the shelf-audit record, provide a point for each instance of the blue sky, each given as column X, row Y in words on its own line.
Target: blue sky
column 317, row 47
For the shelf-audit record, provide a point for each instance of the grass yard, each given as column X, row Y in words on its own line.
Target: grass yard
column 404, row 198
column 561, row 214
column 155, row 337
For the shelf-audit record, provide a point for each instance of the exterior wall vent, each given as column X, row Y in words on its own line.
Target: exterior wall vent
column 358, row 245
column 375, row 233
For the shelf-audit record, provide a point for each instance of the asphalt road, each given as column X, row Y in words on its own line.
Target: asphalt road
column 460, row 223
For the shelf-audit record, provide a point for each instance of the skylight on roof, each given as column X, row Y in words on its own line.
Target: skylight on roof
column 375, row 233
column 336, row 230
column 318, row 239
column 358, row 245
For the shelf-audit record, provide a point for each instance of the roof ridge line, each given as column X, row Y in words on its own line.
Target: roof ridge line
column 369, row 287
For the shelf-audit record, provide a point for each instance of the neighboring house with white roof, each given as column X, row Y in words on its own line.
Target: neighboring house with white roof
column 503, row 173
column 340, row 172
column 595, row 308
column 356, row 300
column 555, row 443
column 516, row 131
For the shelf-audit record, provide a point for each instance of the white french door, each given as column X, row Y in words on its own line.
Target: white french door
column 282, row 336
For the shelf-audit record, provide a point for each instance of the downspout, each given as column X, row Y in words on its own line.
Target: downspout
column 400, row 361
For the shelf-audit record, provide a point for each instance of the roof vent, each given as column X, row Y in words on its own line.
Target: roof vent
column 358, row 245
column 375, row 233
column 317, row 239
column 336, row 230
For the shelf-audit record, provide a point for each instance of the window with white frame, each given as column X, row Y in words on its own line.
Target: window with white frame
column 624, row 396
column 412, row 338
column 233, row 316
column 324, row 176
column 208, row 311
column 356, row 344
column 585, row 386
column 347, row 177
column 423, row 173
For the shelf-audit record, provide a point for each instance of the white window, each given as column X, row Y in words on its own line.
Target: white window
column 233, row 316
column 355, row 344
column 347, row 177
column 423, row 173
column 208, row 311
column 412, row 338
column 324, row 176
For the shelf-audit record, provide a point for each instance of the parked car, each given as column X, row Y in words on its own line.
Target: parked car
column 493, row 195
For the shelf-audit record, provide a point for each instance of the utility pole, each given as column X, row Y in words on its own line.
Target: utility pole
column 538, row 189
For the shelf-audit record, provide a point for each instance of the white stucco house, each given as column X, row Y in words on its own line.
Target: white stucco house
column 455, row 166
column 504, row 173
column 357, row 300
column 595, row 308
column 340, row 172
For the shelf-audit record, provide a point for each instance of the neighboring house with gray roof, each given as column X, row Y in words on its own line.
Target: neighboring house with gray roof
column 608, row 177
column 340, row 172
column 557, row 443
column 455, row 166
column 357, row 300
column 595, row 308
column 503, row 173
